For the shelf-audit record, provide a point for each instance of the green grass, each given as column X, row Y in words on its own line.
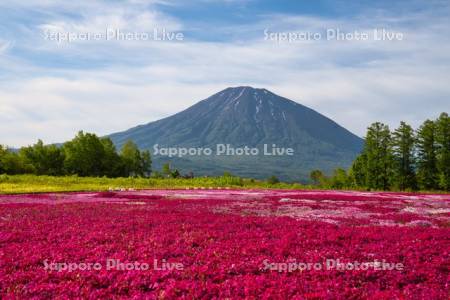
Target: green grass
column 15, row 184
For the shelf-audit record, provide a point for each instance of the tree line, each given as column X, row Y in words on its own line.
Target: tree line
column 85, row 155
column 403, row 159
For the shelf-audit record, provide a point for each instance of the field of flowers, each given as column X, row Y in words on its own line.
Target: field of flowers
column 206, row 244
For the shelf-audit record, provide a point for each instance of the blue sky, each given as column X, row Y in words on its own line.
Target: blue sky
column 50, row 89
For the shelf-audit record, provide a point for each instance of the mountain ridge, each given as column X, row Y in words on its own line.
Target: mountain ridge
column 247, row 116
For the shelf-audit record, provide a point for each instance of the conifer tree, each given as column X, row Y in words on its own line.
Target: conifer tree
column 403, row 142
column 443, row 150
column 358, row 171
column 378, row 150
column 427, row 171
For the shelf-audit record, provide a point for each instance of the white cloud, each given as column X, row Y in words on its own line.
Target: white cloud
column 54, row 109
column 4, row 46
column 354, row 83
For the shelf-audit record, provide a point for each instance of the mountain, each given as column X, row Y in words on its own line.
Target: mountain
column 245, row 116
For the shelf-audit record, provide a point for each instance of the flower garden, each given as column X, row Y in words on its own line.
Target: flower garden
column 215, row 244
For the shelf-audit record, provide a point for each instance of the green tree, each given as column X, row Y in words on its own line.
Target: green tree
column 131, row 157
column 166, row 170
column 427, row 171
column 43, row 159
column 273, row 180
column 443, row 150
column 136, row 163
column 10, row 162
column 316, row 176
column 84, row 155
column 112, row 164
column 403, row 142
column 175, row 174
column 358, row 170
column 145, row 164
column 378, row 151
column 340, row 179
column 3, row 153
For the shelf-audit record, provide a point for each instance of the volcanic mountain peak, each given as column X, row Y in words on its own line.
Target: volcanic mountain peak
column 256, row 97
column 253, row 117
column 236, row 94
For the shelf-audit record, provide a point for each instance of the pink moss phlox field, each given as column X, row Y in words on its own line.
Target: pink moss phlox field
column 223, row 238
